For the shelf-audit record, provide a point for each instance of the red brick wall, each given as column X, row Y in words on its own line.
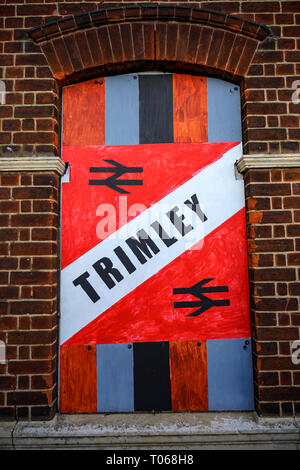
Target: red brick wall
column 273, row 216
column 28, row 294
column 31, row 116
column 30, row 126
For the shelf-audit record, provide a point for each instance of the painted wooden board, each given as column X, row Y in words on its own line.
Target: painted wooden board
column 115, row 377
column 189, row 108
column 149, row 218
column 188, row 376
column 122, row 110
column 84, row 113
column 229, row 371
column 78, row 383
column 156, row 109
column 152, row 377
column 121, row 314
column 223, row 111
column 175, row 165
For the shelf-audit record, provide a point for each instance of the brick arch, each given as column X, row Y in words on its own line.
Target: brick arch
column 142, row 37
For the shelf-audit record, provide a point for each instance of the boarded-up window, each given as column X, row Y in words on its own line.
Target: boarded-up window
column 154, row 286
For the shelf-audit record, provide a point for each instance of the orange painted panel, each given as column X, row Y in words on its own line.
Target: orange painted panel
column 78, row 379
column 189, row 109
column 84, row 113
column 188, row 368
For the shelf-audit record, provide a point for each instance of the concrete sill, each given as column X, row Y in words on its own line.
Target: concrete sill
column 146, row 431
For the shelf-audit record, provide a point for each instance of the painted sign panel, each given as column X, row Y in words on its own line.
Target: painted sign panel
column 153, row 258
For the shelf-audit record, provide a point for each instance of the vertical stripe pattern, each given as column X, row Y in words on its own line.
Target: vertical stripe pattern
column 83, row 113
column 189, row 109
column 115, row 377
column 122, row 110
column 229, row 371
column 188, row 376
column 78, row 383
column 156, row 109
column 223, row 111
column 152, row 377
column 145, row 109
column 212, row 375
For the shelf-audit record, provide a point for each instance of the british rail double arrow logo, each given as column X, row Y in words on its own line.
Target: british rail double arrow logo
column 205, row 303
column 113, row 181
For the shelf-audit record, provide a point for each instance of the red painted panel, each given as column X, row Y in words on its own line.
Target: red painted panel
column 188, row 367
column 189, row 109
column 132, row 319
column 78, row 379
column 84, row 113
column 160, row 176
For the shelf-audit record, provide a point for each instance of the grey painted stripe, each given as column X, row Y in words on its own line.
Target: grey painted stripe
column 223, row 111
column 229, row 373
column 122, row 110
column 115, row 378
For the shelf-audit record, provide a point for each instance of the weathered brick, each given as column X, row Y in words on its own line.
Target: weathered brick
column 41, row 382
column 268, row 378
column 43, row 412
column 279, row 393
column 291, row 202
column 41, row 262
column 276, row 304
column 33, row 307
column 8, row 234
column 269, row 189
column 32, row 277
column 43, row 234
column 271, row 245
column 7, row 323
column 276, row 363
column 7, row 412
column 34, row 220
column 268, row 274
column 276, row 217
column 8, row 292
column 44, row 322
column 36, row 9
column 44, row 292
column 263, row 289
column 32, row 193
column 45, row 206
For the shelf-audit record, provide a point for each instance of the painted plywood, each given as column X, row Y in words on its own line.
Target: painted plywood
column 152, row 377
column 150, row 216
column 84, row 113
column 229, row 371
column 223, row 111
column 189, row 108
column 188, row 375
column 156, row 109
column 121, row 110
column 139, row 305
column 115, row 377
column 165, row 167
column 78, row 383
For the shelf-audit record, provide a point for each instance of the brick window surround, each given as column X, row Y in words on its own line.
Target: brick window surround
column 115, row 40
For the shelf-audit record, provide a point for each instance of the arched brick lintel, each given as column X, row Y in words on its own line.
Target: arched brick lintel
column 145, row 37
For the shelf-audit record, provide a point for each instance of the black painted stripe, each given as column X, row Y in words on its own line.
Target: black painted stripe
column 152, row 389
column 156, row 109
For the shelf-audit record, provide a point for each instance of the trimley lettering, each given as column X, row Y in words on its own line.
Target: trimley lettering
column 141, row 247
